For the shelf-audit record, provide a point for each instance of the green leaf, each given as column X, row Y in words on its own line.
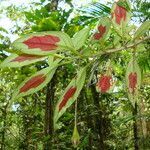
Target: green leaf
column 36, row 82
column 80, row 38
column 3, row 29
column 70, row 94
column 43, row 43
column 120, row 16
column 124, row 3
column 15, row 60
column 102, row 29
column 50, row 60
column 142, row 29
column 133, row 80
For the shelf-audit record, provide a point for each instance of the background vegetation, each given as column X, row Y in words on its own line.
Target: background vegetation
column 105, row 121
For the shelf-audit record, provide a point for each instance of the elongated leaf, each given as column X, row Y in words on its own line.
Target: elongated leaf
column 120, row 15
column 133, row 80
column 80, row 38
column 104, row 83
column 102, row 29
column 43, row 43
column 125, row 3
column 70, row 94
column 96, row 9
column 16, row 60
column 36, row 81
column 142, row 29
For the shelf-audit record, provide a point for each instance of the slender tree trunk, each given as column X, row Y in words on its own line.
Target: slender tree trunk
column 49, row 114
column 49, row 102
column 135, row 128
column 4, row 129
column 99, row 119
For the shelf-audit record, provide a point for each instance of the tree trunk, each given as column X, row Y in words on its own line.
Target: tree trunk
column 98, row 118
column 135, row 129
column 4, row 114
column 49, row 102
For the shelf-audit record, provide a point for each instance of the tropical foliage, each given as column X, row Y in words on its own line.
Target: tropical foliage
column 96, row 64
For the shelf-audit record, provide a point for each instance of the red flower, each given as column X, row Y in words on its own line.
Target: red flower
column 98, row 35
column 45, row 43
column 119, row 14
column 71, row 91
column 132, row 81
column 104, row 83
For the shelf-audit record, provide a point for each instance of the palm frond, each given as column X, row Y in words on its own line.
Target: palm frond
column 96, row 10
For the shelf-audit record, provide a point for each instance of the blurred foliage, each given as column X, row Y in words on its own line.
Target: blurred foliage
column 141, row 10
column 22, row 124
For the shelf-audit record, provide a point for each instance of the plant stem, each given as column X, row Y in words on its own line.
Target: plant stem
column 75, row 113
column 125, row 47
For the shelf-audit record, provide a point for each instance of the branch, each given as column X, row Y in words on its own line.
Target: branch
column 123, row 48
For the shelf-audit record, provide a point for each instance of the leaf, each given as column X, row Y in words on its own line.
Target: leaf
column 95, row 10
column 36, row 82
column 102, row 29
column 142, row 29
column 125, row 3
column 120, row 15
column 70, row 94
column 80, row 38
column 15, row 60
column 133, row 80
column 104, row 83
column 3, row 29
column 43, row 43
column 50, row 59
